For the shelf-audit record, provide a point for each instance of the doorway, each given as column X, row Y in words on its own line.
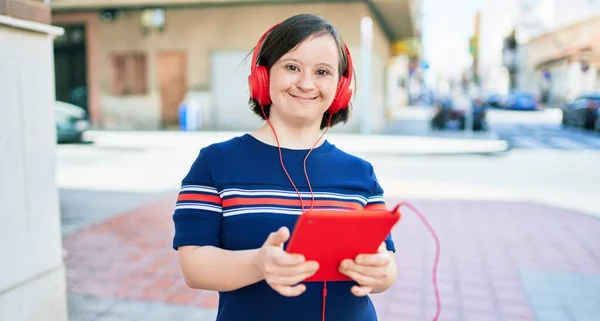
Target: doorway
column 172, row 85
column 70, row 72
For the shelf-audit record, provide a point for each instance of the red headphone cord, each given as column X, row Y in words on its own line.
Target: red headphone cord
column 312, row 195
column 438, row 301
column 414, row 209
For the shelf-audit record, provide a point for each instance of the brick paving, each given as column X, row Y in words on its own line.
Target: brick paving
column 500, row 261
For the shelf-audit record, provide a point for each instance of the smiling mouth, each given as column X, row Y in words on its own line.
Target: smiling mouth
column 303, row 98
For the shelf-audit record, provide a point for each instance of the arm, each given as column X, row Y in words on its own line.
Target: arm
column 212, row 268
column 197, row 220
column 197, row 217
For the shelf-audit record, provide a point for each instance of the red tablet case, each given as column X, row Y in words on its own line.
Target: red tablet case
column 329, row 237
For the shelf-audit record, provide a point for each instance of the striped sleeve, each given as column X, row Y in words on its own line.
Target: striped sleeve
column 198, row 210
column 377, row 201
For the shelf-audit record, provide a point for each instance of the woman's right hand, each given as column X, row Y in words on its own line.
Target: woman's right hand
column 281, row 270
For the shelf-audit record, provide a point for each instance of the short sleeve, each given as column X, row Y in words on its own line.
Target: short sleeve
column 198, row 210
column 377, row 201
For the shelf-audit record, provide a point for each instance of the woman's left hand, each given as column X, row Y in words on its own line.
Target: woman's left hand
column 370, row 271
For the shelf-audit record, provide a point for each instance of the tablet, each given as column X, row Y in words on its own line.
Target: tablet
column 329, row 237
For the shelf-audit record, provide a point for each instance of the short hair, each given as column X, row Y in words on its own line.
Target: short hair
column 287, row 36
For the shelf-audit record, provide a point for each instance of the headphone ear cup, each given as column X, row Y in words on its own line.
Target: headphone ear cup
column 343, row 96
column 259, row 85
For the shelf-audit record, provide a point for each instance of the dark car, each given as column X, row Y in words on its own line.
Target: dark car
column 521, row 100
column 450, row 116
column 582, row 112
column 494, row 100
column 71, row 122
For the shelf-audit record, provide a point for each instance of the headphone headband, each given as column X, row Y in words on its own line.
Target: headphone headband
column 258, row 46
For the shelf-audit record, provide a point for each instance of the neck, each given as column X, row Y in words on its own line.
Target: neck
column 291, row 137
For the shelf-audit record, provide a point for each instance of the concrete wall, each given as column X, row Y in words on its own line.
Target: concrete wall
column 32, row 278
column 202, row 31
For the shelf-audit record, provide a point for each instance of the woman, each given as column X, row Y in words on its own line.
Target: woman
column 241, row 197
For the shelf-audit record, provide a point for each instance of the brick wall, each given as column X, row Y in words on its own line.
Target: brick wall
column 33, row 10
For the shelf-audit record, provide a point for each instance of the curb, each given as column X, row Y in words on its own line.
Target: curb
column 351, row 143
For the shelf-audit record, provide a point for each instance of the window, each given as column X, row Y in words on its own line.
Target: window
column 128, row 74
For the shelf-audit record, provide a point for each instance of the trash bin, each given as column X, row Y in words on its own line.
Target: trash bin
column 190, row 115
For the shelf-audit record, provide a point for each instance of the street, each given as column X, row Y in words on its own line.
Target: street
column 541, row 130
column 116, row 202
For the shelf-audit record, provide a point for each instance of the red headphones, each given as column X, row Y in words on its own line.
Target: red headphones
column 258, row 80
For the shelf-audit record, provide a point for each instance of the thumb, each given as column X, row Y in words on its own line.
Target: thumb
column 279, row 237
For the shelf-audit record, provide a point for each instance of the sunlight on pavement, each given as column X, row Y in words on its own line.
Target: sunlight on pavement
column 407, row 189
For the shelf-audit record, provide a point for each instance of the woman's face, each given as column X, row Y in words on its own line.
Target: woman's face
column 303, row 82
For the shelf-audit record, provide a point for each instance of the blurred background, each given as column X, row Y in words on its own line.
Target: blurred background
column 485, row 114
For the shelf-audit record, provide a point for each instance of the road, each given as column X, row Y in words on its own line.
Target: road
column 522, row 129
column 541, row 130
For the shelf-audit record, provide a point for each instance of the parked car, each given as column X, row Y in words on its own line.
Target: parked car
column 521, row 100
column 494, row 100
column 453, row 115
column 582, row 111
column 71, row 122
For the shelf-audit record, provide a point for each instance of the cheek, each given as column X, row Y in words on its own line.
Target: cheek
column 329, row 89
column 279, row 81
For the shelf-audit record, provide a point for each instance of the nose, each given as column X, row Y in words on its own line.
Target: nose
column 306, row 82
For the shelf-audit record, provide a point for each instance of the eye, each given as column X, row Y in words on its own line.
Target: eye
column 322, row 72
column 291, row 67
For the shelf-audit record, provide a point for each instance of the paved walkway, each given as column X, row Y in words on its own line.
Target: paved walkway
column 500, row 261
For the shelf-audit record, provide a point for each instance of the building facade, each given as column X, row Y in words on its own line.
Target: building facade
column 134, row 67
column 519, row 23
column 562, row 64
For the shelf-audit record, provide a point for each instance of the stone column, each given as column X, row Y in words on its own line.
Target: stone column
column 32, row 272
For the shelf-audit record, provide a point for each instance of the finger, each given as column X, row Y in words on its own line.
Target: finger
column 279, row 237
column 379, row 259
column 361, row 290
column 308, row 267
column 382, row 248
column 362, row 279
column 376, row 272
column 286, row 259
column 288, row 280
column 290, row 291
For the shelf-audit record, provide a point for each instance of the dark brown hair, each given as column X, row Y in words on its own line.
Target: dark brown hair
column 287, row 36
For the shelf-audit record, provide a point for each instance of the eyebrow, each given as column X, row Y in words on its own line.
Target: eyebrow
column 319, row 64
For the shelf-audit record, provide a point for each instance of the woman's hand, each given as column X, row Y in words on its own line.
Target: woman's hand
column 281, row 270
column 370, row 271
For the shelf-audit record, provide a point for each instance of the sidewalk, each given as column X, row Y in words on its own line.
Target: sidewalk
column 352, row 143
column 500, row 261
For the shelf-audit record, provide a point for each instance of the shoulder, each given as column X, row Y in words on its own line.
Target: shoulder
column 217, row 151
column 348, row 160
column 214, row 155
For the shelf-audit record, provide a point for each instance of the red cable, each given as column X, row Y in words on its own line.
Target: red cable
column 305, row 158
column 438, row 304
column 438, row 301
column 281, row 161
column 324, row 299
column 312, row 195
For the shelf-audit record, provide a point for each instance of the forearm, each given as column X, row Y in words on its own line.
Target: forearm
column 390, row 279
column 212, row 268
